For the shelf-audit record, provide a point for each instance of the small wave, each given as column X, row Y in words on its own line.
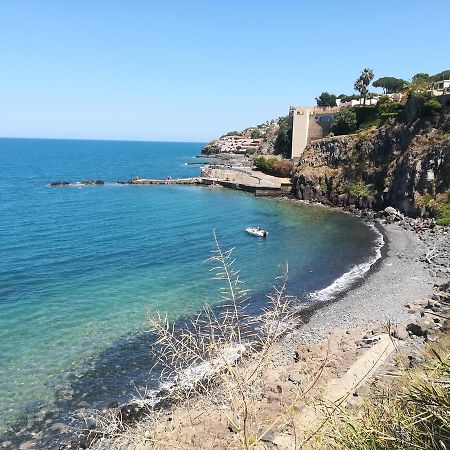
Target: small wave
column 189, row 377
column 356, row 273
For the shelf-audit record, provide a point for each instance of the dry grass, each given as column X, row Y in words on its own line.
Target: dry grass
column 218, row 369
column 413, row 414
column 213, row 362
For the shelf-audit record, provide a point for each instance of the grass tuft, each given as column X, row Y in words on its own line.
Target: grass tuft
column 414, row 415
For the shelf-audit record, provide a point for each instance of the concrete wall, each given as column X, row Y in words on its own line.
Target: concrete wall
column 300, row 126
column 309, row 124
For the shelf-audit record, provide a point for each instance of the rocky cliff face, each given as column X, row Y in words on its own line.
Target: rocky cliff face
column 404, row 166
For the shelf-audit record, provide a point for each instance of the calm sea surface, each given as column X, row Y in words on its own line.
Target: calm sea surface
column 80, row 265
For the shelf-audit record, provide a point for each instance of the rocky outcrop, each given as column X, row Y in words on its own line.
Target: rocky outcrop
column 401, row 165
column 82, row 183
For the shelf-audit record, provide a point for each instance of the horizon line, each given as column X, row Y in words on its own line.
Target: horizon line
column 102, row 140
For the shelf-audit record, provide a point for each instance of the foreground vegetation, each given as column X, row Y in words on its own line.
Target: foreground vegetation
column 274, row 166
column 413, row 414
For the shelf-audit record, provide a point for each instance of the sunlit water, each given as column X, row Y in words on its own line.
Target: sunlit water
column 79, row 266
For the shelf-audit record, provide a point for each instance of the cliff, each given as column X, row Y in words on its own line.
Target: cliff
column 406, row 166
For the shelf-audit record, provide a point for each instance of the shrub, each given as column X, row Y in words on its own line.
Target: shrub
column 412, row 415
column 264, row 164
column 430, row 108
column 256, row 134
column 211, row 150
column 443, row 214
column 446, row 125
column 283, row 141
column 358, row 188
column 273, row 166
column 388, row 117
column 383, row 99
column 365, row 114
column 385, row 108
column 345, row 122
column 283, row 169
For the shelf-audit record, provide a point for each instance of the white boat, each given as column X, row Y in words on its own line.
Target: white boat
column 256, row 231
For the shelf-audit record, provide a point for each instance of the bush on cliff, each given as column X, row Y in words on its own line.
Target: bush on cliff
column 352, row 119
column 358, row 188
column 430, row 108
column 365, row 115
column 273, row 166
column 211, row 149
column 443, row 214
column 414, row 414
column 345, row 122
column 283, row 141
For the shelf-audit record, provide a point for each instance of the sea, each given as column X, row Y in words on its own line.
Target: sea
column 81, row 266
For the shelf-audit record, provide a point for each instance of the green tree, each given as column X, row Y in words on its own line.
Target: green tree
column 256, row 134
column 420, row 82
column 345, row 122
column 444, row 75
column 346, row 98
column 326, row 99
column 362, row 83
column 232, row 133
column 283, row 141
column 390, row 84
column 430, row 108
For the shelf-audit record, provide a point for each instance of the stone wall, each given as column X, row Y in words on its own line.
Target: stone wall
column 319, row 125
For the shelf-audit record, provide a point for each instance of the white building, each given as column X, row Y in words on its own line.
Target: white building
column 441, row 88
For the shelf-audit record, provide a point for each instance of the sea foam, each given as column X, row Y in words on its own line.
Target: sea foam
column 355, row 274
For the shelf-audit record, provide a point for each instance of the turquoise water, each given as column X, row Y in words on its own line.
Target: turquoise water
column 80, row 265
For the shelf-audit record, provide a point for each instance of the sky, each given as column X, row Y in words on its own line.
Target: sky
column 191, row 70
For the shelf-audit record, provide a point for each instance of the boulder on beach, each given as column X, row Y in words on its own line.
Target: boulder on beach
column 393, row 213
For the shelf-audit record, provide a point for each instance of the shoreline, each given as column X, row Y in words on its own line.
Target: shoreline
column 308, row 311
column 377, row 298
column 344, row 325
column 323, row 317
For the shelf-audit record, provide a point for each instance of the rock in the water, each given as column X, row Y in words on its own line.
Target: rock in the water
column 131, row 412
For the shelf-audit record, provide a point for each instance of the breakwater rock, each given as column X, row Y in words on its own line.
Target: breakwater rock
column 135, row 180
column 78, row 183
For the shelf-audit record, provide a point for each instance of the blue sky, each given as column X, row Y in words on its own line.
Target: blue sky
column 192, row 70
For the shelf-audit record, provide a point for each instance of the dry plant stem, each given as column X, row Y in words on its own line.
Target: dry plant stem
column 223, row 348
column 231, row 284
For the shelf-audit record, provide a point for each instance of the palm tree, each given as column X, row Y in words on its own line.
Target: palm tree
column 367, row 75
column 362, row 83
